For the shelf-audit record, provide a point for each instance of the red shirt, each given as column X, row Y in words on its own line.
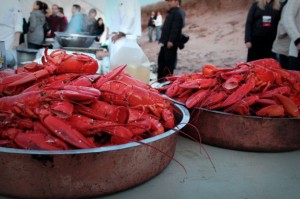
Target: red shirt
column 56, row 24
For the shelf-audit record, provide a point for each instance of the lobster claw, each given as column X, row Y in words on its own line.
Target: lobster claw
column 289, row 106
column 65, row 131
column 63, row 109
column 39, row 141
column 241, row 92
column 196, row 98
column 271, row 111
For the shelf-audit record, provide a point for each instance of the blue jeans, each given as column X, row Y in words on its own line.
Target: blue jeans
column 150, row 31
column 157, row 33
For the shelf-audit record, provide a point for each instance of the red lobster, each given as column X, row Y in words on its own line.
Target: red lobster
column 58, row 62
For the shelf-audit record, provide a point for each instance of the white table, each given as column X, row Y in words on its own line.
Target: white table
column 238, row 175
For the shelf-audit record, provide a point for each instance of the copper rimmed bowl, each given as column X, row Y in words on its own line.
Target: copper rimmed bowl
column 247, row 133
column 87, row 172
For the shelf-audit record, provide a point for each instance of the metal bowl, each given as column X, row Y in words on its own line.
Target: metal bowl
column 74, row 40
column 87, row 172
column 238, row 132
column 247, row 133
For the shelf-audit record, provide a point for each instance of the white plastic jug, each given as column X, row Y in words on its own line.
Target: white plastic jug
column 127, row 51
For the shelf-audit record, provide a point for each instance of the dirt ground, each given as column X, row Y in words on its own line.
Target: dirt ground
column 215, row 38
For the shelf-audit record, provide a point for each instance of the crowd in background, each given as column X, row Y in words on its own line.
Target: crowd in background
column 155, row 23
column 44, row 22
column 271, row 31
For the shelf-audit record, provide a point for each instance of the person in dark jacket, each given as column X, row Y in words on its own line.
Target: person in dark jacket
column 170, row 39
column 261, row 28
column 91, row 25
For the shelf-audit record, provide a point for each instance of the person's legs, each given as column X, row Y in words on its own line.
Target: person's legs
column 157, row 31
column 284, row 61
column 294, row 63
column 150, row 31
column 160, row 65
column 166, row 62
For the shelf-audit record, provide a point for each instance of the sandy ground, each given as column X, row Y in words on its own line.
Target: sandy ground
column 215, row 38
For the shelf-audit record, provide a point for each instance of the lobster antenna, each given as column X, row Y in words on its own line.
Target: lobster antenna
column 200, row 143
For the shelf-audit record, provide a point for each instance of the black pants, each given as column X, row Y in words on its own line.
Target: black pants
column 294, row 63
column 283, row 60
column 261, row 48
column 166, row 62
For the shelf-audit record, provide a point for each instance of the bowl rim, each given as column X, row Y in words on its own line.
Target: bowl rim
column 67, row 34
column 182, row 123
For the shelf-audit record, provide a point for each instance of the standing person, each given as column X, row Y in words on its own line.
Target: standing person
column 65, row 20
column 261, row 27
column 99, row 29
column 92, row 22
column 125, row 20
column 158, row 23
column 282, row 42
column 56, row 22
column 170, row 39
column 75, row 25
column 11, row 21
column 35, row 35
column 291, row 22
column 151, row 25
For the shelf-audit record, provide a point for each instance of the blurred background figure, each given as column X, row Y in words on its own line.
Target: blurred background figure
column 125, row 19
column 62, row 15
column 11, row 24
column 261, row 27
column 158, row 23
column 37, row 20
column 100, row 28
column 291, row 23
column 92, row 22
column 56, row 22
column 75, row 25
column 36, row 34
column 170, row 39
column 282, row 42
column 151, row 25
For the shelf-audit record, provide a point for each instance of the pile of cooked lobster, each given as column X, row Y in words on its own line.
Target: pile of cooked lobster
column 257, row 88
column 63, row 104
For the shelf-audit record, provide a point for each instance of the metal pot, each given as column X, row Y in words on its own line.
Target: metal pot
column 88, row 172
column 74, row 40
column 248, row 133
